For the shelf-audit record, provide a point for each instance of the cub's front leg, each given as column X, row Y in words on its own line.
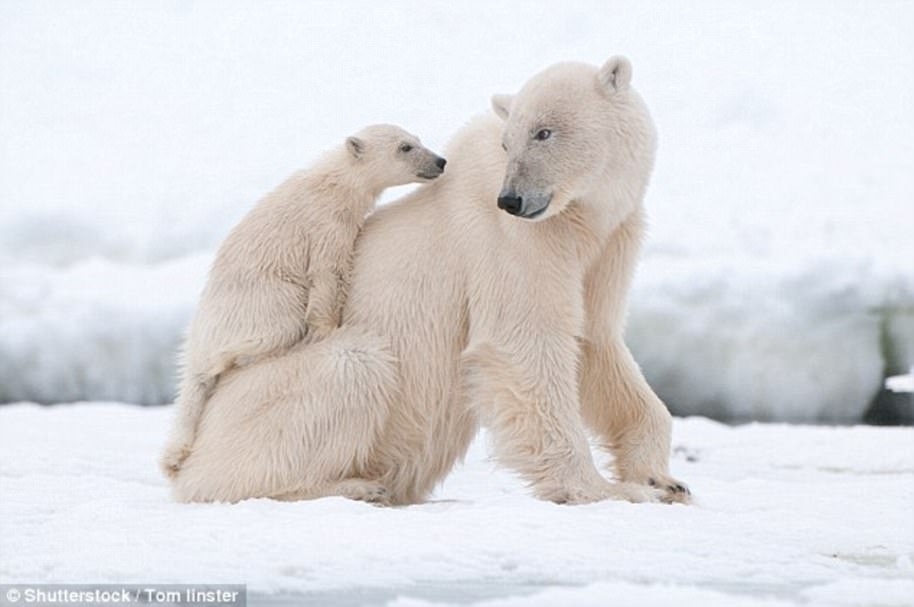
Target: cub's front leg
column 325, row 302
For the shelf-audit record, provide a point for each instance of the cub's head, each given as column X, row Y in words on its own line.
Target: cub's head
column 573, row 131
column 392, row 157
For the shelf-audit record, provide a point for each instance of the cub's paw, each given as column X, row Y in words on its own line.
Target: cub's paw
column 319, row 331
column 173, row 458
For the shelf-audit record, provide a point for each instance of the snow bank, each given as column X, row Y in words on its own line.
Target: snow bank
column 785, row 515
column 739, row 339
column 901, row 383
column 97, row 327
column 800, row 347
column 777, row 281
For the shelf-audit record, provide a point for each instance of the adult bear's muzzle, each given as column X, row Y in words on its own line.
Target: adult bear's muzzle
column 510, row 202
column 514, row 204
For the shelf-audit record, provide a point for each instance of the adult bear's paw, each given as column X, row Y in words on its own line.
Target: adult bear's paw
column 674, row 491
column 628, row 492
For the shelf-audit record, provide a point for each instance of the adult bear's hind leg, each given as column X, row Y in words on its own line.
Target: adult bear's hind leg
column 359, row 489
column 295, row 425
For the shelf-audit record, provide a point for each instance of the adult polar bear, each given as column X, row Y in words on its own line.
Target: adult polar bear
column 461, row 313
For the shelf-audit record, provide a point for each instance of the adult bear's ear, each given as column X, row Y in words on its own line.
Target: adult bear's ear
column 616, row 74
column 502, row 105
column 355, row 146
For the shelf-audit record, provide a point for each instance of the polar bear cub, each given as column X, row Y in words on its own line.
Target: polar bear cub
column 281, row 276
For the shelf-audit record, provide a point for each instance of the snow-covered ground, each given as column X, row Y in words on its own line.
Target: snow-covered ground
column 778, row 281
column 784, row 515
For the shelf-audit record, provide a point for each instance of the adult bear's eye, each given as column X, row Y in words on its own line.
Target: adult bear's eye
column 543, row 135
column 405, row 147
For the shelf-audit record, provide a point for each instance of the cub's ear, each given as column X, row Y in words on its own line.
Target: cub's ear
column 616, row 74
column 355, row 146
column 502, row 105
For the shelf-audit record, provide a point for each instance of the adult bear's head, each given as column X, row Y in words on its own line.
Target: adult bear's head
column 575, row 133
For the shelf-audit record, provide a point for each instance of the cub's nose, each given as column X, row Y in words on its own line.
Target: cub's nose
column 440, row 163
column 510, row 203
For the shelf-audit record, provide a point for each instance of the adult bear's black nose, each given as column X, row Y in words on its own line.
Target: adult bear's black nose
column 440, row 163
column 510, row 203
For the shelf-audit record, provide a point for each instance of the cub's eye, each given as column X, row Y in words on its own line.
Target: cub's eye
column 543, row 135
column 504, row 147
column 405, row 147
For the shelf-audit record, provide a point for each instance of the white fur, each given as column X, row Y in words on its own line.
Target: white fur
column 462, row 314
column 281, row 275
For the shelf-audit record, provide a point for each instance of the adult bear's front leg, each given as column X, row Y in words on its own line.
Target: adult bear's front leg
column 617, row 402
column 633, row 423
column 531, row 408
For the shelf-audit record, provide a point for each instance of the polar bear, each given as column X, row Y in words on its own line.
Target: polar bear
column 494, row 296
column 281, row 275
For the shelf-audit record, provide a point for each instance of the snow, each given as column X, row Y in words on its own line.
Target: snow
column 95, row 327
column 132, row 136
column 784, row 515
column 901, row 383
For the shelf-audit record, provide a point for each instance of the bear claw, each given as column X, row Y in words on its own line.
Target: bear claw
column 673, row 491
